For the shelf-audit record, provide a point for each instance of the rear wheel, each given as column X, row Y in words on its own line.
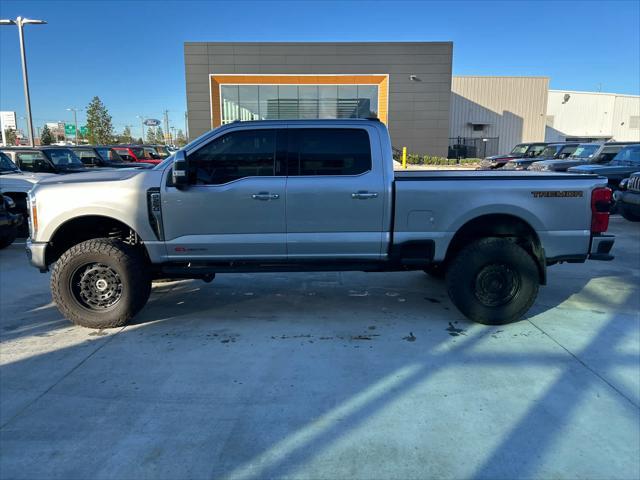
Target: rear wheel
column 101, row 283
column 493, row 281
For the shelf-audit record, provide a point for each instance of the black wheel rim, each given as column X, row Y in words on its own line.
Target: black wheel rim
column 496, row 285
column 96, row 286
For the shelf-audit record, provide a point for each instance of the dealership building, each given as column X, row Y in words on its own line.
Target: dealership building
column 407, row 85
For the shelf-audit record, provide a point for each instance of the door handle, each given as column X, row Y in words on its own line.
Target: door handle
column 265, row 196
column 364, row 195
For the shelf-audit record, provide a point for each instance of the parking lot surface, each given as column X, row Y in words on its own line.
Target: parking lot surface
column 326, row 375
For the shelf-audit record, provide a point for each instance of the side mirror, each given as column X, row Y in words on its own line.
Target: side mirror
column 180, row 174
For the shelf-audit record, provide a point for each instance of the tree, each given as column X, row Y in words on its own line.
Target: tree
column 11, row 137
column 46, row 138
column 126, row 135
column 180, row 139
column 151, row 136
column 160, row 135
column 99, row 123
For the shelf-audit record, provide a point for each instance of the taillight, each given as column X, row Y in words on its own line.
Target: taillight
column 600, row 206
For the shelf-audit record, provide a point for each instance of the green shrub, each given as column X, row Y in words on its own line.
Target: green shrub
column 415, row 159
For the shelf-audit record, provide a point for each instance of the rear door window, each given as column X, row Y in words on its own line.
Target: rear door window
column 33, row 162
column 328, row 152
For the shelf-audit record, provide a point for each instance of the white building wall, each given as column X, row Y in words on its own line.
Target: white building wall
column 594, row 115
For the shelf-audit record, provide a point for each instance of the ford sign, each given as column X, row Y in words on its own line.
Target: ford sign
column 151, row 122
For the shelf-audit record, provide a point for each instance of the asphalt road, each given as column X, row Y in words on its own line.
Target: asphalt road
column 326, row 375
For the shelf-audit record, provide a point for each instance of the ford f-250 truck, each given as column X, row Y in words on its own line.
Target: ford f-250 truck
column 305, row 196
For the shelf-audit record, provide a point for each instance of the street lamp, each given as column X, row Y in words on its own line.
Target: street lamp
column 20, row 23
column 75, row 120
column 142, row 123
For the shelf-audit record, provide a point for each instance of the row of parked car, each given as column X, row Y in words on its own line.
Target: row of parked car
column 22, row 167
column 618, row 161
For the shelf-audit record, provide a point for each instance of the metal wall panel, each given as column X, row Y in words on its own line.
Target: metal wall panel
column 512, row 108
column 425, row 101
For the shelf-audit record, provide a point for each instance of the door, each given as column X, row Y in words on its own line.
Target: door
column 234, row 205
column 335, row 193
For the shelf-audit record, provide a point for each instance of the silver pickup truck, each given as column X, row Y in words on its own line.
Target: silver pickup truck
column 309, row 195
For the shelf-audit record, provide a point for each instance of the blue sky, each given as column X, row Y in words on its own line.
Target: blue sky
column 130, row 53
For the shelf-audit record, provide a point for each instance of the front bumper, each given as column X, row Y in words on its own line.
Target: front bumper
column 631, row 198
column 36, row 252
column 601, row 245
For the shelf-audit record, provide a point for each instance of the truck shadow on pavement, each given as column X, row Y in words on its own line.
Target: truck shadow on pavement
column 334, row 375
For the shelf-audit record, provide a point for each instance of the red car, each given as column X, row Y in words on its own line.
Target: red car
column 138, row 153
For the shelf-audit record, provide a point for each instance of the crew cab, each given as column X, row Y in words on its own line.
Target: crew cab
column 550, row 152
column 305, row 195
column 521, row 150
column 585, row 154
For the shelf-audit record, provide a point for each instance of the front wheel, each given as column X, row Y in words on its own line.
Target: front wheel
column 101, row 283
column 628, row 214
column 493, row 281
column 8, row 236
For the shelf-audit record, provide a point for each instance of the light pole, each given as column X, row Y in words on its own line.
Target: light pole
column 20, row 23
column 141, row 123
column 75, row 120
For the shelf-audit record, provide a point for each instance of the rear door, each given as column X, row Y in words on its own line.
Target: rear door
column 335, row 193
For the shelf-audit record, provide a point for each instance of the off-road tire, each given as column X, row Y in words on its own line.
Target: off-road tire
column 485, row 267
column 628, row 214
column 9, row 237
column 128, row 262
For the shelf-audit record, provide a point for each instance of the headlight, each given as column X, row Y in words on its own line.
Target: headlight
column 623, row 184
column 33, row 217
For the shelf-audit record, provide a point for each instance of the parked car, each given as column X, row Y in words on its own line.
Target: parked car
column 529, row 150
column 45, row 159
column 627, row 197
column 138, row 153
column 104, row 157
column 626, row 162
column 15, row 184
column 305, row 195
column 550, row 152
column 9, row 222
column 586, row 153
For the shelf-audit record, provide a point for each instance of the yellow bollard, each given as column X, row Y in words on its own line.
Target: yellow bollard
column 404, row 157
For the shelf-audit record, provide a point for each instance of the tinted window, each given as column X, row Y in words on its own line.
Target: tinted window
column 329, row 151
column 627, row 156
column 33, row 162
column 245, row 153
column 63, row 157
column 6, row 165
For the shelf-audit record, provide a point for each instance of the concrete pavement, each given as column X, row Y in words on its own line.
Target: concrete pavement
column 326, row 375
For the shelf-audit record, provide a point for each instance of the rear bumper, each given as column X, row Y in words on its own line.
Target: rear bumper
column 601, row 245
column 36, row 252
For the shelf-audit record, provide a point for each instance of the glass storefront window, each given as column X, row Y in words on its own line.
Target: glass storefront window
column 267, row 102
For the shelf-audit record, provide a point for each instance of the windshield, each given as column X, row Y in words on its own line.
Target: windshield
column 109, row 155
column 6, row 165
column 63, row 157
column 584, row 151
column 87, row 155
column 146, row 153
column 520, row 149
column 627, row 156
